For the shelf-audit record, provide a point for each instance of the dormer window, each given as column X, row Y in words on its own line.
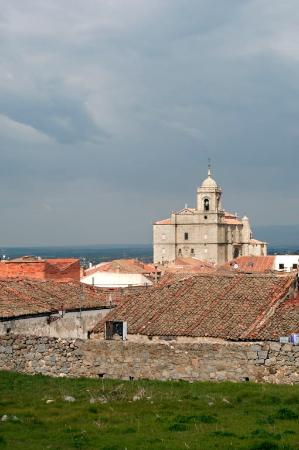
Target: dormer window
column 206, row 204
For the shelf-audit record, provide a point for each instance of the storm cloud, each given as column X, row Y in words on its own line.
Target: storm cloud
column 109, row 111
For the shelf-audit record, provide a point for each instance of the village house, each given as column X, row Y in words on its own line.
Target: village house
column 48, row 308
column 120, row 273
column 58, row 269
column 278, row 263
column 230, row 306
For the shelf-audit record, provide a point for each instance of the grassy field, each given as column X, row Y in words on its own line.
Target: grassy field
column 38, row 412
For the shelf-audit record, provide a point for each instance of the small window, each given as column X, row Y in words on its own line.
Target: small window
column 180, row 252
column 281, row 266
column 186, row 236
column 192, row 251
column 206, row 217
column 116, row 330
column 295, row 266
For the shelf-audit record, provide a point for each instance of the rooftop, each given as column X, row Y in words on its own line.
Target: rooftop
column 132, row 266
column 230, row 306
column 250, row 264
column 190, row 265
column 21, row 297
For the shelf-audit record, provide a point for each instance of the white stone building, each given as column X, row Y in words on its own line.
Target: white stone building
column 206, row 232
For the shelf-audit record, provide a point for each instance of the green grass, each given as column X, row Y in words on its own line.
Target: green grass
column 118, row 415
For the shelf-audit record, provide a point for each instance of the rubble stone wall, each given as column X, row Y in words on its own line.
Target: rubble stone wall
column 235, row 361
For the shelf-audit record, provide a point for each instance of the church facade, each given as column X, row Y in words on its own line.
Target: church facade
column 206, row 232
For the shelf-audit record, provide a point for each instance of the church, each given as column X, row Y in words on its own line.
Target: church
column 206, row 232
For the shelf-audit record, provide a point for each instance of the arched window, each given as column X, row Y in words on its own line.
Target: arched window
column 206, row 204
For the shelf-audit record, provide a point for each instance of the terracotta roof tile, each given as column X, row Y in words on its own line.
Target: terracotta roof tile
column 163, row 222
column 188, row 265
column 250, row 264
column 26, row 297
column 215, row 305
column 121, row 266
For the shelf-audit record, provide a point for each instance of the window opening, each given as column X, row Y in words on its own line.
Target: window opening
column 281, row 266
column 186, row 236
column 116, row 330
column 295, row 266
column 206, row 204
column 236, row 252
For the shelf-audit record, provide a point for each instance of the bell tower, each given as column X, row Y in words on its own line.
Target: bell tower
column 209, row 196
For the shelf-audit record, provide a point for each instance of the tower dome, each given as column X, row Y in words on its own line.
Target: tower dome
column 209, row 182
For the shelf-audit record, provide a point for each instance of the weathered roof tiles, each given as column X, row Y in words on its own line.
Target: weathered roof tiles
column 228, row 306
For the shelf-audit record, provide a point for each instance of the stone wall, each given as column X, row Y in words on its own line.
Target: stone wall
column 207, row 360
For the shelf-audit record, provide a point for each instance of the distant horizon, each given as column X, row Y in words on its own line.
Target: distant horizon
column 274, row 235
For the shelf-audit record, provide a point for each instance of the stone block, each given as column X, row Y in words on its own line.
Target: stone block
column 259, row 361
column 270, row 362
column 286, row 347
column 8, row 349
column 256, row 348
column 262, row 355
column 41, row 348
column 275, row 346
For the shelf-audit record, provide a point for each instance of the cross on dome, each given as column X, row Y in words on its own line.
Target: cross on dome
column 209, row 182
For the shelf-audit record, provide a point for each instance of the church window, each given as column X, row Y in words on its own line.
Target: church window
column 236, row 252
column 206, row 204
column 186, row 236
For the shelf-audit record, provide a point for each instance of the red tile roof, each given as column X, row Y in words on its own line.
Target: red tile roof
column 250, row 264
column 231, row 219
column 228, row 306
column 188, row 265
column 163, row 222
column 27, row 297
column 121, row 266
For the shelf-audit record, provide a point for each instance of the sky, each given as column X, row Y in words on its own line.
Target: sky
column 110, row 110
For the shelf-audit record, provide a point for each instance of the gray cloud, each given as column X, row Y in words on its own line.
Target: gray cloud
column 111, row 109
